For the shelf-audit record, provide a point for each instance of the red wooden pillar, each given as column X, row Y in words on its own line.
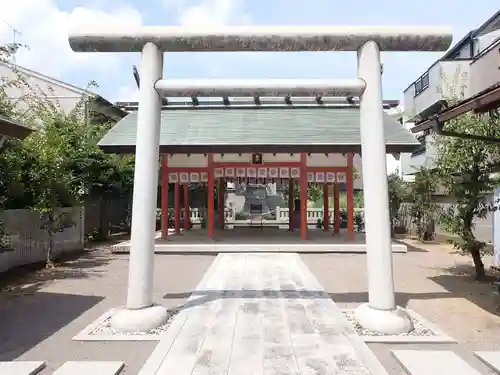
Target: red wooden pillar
column 350, row 197
column 303, row 196
column 210, row 197
column 326, row 207
column 222, row 202
column 177, row 207
column 187, row 212
column 164, row 196
column 291, row 201
column 336, row 207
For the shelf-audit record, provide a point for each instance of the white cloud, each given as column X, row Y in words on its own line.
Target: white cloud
column 44, row 28
column 209, row 12
column 189, row 12
column 127, row 93
column 215, row 12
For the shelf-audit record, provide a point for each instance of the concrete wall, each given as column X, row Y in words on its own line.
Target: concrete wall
column 24, row 241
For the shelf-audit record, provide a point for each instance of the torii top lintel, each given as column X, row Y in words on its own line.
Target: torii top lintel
column 99, row 38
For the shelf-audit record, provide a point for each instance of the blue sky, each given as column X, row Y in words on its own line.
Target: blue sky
column 400, row 69
column 44, row 25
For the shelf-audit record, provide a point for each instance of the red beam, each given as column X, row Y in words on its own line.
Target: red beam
column 164, row 196
column 303, row 196
column 243, row 165
column 229, row 164
column 327, row 169
column 187, row 169
column 222, row 202
column 186, row 207
column 210, row 197
column 350, row 197
column 177, row 207
column 291, row 202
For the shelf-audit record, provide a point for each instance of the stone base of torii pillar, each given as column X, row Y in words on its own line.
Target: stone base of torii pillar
column 140, row 314
column 380, row 314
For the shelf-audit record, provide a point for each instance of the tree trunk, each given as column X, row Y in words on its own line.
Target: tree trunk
column 478, row 264
column 49, row 263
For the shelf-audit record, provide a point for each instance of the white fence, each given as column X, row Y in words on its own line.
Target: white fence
column 276, row 218
column 25, row 242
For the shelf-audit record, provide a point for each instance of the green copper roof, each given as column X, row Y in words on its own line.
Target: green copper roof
column 258, row 129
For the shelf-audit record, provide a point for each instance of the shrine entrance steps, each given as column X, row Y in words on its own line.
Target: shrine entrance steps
column 258, row 240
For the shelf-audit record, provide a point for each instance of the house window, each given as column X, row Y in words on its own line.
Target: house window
column 418, row 87
column 425, row 81
column 422, row 83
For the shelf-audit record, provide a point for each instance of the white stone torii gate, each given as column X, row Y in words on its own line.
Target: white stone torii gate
column 380, row 313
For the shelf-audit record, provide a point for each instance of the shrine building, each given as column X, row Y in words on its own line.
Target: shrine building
column 295, row 141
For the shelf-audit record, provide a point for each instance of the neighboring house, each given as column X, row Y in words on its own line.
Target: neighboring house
column 65, row 95
column 97, row 111
column 467, row 69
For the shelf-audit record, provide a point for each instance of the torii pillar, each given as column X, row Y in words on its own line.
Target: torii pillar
column 140, row 313
column 380, row 314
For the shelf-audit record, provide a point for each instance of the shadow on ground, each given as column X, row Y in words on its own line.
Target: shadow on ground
column 28, row 320
column 460, row 282
column 30, row 278
column 201, row 297
column 411, row 248
column 28, row 315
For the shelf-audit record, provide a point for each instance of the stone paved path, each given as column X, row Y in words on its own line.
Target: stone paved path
column 260, row 314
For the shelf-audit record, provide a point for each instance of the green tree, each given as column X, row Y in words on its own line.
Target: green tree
column 54, row 184
column 422, row 208
column 60, row 163
column 465, row 167
column 397, row 192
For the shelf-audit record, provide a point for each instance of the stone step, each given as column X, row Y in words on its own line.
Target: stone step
column 490, row 358
column 426, row 362
column 90, row 368
column 21, row 367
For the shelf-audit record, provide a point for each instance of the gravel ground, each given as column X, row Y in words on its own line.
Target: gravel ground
column 105, row 328
column 419, row 329
column 43, row 311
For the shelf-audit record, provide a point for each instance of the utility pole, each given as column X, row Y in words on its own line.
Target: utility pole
column 13, row 47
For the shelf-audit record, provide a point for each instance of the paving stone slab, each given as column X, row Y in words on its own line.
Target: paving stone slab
column 90, row 368
column 260, row 314
column 490, row 358
column 427, row 362
column 21, row 367
column 262, row 248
